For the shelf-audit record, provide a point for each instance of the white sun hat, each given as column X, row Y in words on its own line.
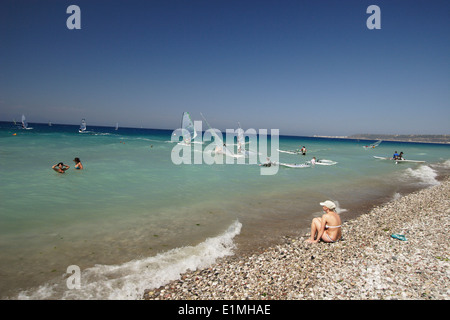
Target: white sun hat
column 329, row 204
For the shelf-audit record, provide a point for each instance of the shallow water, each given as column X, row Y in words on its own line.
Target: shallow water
column 132, row 219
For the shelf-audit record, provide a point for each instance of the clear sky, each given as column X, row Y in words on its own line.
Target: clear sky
column 305, row 67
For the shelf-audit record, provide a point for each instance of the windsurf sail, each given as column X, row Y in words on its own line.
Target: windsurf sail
column 376, row 144
column 220, row 145
column 373, row 145
column 82, row 126
column 187, row 125
column 117, row 126
column 240, row 139
column 24, row 122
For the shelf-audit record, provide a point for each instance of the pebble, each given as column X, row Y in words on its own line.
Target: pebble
column 365, row 264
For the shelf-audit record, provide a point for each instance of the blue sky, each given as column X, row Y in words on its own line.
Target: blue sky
column 304, row 67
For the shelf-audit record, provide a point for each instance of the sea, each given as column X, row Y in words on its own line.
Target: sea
column 135, row 219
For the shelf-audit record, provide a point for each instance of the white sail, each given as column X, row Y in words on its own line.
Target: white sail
column 82, row 126
column 240, row 138
column 376, row 144
column 117, row 126
column 220, row 146
column 187, row 125
column 373, row 145
column 24, row 122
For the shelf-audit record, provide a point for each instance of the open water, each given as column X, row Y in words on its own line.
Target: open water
column 133, row 220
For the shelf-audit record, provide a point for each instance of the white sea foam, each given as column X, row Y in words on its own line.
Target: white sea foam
column 129, row 280
column 445, row 164
column 396, row 196
column 424, row 174
column 339, row 210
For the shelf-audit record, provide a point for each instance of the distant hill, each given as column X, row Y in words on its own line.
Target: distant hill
column 429, row 138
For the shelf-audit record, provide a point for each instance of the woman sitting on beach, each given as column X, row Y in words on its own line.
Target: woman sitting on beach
column 78, row 164
column 327, row 228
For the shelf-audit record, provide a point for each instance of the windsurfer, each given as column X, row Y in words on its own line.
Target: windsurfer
column 268, row 163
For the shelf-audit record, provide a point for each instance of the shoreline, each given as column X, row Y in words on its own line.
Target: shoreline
column 367, row 263
column 390, row 138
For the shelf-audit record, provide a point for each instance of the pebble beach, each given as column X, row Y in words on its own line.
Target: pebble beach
column 366, row 264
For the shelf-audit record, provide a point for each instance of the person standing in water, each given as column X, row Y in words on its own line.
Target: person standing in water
column 303, row 150
column 78, row 164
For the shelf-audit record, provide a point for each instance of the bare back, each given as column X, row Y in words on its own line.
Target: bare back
column 332, row 223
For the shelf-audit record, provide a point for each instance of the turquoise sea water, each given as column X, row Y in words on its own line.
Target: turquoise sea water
column 133, row 220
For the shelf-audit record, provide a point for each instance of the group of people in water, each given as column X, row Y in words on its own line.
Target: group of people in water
column 61, row 167
column 397, row 156
column 327, row 228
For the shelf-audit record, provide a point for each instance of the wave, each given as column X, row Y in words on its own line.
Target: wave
column 396, row 196
column 339, row 210
column 447, row 163
column 129, row 280
column 442, row 165
column 424, row 174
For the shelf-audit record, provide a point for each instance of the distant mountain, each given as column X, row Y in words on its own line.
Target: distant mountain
column 430, row 138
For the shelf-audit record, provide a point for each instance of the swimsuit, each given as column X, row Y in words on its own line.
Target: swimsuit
column 328, row 236
column 331, row 240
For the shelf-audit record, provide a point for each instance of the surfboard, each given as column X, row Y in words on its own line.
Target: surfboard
column 324, row 162
column 293, row 165
column 289, row 151
column 402, row 160
column 406, row 160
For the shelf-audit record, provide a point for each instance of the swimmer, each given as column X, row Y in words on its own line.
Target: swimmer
column 78, row 164
column 60, row 167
